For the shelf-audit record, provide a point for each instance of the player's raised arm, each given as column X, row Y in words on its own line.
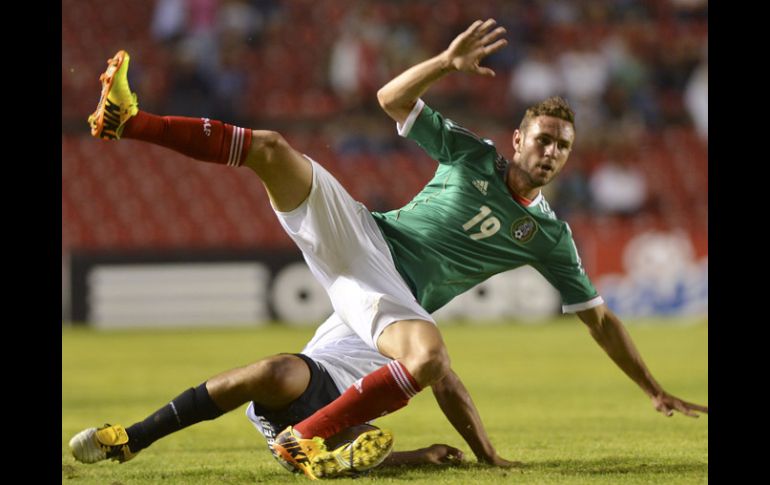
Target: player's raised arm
column 608, row 331
column 465, row 53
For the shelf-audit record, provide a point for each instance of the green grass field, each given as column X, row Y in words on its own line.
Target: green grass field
column 548, row 395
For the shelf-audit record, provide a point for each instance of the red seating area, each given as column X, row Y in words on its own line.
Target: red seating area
column 129, row 194
column 132, row 195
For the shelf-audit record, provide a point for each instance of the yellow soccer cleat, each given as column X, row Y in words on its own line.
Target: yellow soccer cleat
column 311, row 457
column 367, row 451
column 93, row 445
column 117, row 103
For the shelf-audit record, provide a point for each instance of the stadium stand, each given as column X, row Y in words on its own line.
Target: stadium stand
column 145, row 197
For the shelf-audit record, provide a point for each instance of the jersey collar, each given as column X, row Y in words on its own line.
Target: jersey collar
column 536, row 200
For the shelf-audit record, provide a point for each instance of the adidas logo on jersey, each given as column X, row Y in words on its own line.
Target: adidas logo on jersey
column 481, row 185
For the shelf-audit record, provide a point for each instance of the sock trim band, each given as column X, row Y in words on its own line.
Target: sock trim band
column 401, row 379
column 236, row 147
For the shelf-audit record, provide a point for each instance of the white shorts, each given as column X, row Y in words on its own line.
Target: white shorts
column 345, row 250
column 342, row 353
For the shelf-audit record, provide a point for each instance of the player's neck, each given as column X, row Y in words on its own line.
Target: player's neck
column 518, row 186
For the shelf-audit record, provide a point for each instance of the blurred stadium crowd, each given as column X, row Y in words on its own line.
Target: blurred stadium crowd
column 635, row 72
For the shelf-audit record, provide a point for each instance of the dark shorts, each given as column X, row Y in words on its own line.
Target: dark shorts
column 320, row 391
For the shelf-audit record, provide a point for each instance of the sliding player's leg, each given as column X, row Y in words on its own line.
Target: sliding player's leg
column 272, row 384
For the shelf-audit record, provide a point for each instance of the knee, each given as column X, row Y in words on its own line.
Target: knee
column 273, row 376
column 272, row 382
column 267, row 148
column 428, row 364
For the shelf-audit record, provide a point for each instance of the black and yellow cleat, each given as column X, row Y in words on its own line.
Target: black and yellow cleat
column 298, row 452
column 117, row 103
column 108, row 442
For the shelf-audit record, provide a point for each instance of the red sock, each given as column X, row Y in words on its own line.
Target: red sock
column 199, row 138
column 383, row 391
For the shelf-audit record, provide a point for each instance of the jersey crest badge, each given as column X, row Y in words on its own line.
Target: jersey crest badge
column 522, row 230
column 481, row 185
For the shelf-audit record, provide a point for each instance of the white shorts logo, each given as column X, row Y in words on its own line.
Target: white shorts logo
column 206, row 126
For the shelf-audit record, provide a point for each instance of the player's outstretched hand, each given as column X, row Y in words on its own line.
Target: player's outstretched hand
column 469, row 48
column 667, row 404
column 439, row 454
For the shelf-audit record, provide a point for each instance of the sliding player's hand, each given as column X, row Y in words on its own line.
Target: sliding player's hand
column 440, row 454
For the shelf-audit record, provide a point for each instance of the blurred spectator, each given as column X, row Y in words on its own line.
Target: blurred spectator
column 696, row 98
column 618, row 188
column 536, row 78
column 238, row 21
column 561, row 12
column 201, row 32
column 357, row 67
column 571, row 194
column 190, row 93
column 169, row 20
column 345, row 66
column 228, row 84
column 585, row 71
column 628, row 97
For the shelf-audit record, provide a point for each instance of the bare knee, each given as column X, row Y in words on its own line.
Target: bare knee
column 286, row 174
column 427, row 364
column 268, row 148
column 278, row 380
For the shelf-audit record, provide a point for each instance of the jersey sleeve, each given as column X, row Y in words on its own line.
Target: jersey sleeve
column 441, row 138
column 564, row 270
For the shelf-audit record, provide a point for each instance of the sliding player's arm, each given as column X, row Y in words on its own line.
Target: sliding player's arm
column 458, row 407
column 437, row 454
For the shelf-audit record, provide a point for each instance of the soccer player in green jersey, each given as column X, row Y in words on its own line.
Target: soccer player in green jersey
column 385, row 273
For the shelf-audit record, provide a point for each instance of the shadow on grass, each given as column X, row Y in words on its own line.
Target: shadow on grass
column 610, row 465
column 605, row 466
column 405, row 471
column 116, row 475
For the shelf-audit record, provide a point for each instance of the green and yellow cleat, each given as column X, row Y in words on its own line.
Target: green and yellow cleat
column 117, row 103
column 93, row 445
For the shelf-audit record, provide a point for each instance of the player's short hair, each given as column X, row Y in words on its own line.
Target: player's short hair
column 555, row 106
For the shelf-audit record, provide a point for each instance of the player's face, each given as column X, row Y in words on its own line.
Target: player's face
column 543, row 148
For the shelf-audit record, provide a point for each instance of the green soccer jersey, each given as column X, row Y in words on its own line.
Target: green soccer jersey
column 465, row 227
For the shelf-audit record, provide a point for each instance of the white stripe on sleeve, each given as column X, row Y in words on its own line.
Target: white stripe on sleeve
column 404, row 129
column 579, row 307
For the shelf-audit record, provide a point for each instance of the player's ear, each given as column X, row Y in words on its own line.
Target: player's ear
column 516, row 140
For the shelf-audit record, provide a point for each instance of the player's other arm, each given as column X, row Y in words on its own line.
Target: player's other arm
column 436, row 454
column 456, row 403
column 609, row 332
column 399, row 96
